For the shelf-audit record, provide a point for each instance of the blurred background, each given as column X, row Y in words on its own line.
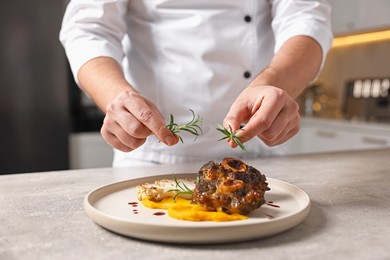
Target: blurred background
column 47, row 123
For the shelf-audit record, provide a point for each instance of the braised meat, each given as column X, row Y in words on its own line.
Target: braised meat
column 230, row 186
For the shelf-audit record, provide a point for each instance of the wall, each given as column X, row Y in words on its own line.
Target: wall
column 34, row 123
column 356, row 61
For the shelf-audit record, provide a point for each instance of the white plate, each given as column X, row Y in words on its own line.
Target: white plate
column 109, row 207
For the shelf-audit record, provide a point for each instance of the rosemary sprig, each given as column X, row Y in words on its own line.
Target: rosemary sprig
column 181, row 188
column 192, row 127
column 229, row 134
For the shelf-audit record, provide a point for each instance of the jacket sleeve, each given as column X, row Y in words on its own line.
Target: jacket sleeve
column 302, row 17
column 93, row 28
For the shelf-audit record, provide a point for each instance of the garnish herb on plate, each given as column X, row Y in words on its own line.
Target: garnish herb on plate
column 181, row 188
column 229, row 134
column 192, row 127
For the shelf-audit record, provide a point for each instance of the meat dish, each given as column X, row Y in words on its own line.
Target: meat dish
column 230, row 186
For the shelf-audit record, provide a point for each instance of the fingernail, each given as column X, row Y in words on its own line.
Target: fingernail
column 169, row 140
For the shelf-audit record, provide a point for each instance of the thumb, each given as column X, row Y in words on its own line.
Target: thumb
column 236, row 116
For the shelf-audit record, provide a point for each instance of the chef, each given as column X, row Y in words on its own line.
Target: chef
column 234, row 63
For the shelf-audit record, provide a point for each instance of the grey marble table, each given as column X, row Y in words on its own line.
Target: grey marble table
column 42, row 214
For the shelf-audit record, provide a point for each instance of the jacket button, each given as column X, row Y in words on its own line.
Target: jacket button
column 247, row 74
column 247, row 18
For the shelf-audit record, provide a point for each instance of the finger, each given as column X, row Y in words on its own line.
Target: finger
column 232, row 142
column 285, row 120
column 281, row 130
column 115, row 135
column 263, row 118
column 128, row 140
column 286, row 137
column 119, row 114
column 130, row 124
column 137, row 106
column 238, row 114
column 113, row 141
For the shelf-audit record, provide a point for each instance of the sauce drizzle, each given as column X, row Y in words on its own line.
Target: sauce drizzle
column 134, row 204
column 160, row 213
column 272, row 205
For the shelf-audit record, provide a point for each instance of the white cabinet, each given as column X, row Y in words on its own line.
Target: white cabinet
column 332, row 136
column 89, row 150
column 351, row 16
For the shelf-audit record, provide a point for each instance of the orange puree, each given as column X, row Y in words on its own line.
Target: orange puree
column 184, row 210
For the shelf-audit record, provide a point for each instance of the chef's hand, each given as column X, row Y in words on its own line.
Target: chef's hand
column 271, row 113
column 130, row 119
column 267, row 112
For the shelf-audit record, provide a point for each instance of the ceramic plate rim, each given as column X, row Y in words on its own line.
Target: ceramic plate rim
column 109, row 221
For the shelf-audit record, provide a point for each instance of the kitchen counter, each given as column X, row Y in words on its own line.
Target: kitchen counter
column 336, row 135
column 42, row 214
column 354, row 125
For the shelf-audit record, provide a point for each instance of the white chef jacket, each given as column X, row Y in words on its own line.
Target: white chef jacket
column 190, row 54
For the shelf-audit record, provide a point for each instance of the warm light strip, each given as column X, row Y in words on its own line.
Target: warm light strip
column 361, row 38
